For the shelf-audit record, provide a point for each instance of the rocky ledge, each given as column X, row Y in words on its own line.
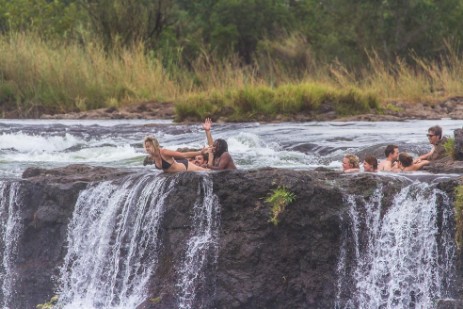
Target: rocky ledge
column 260, row 265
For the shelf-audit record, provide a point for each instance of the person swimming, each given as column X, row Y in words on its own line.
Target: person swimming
column 350, row 163
column 370, row 164
column 406, row 163
column 219, row 157
column 165, row 159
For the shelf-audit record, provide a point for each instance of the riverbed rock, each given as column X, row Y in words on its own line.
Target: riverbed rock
column 291, row 264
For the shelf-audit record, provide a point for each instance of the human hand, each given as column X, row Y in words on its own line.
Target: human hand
column 210, row 149
column 207, row 124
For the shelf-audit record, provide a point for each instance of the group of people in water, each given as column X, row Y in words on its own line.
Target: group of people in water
column 215, row 156
column 399, row 162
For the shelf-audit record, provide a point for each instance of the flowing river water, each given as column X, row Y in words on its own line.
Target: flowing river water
column 118, row 143
column 111, row 253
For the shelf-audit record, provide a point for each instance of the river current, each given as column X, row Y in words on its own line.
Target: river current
column 118, row 143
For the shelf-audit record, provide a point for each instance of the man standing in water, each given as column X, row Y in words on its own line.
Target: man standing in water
column 219, row 157
column 437, row 141
column 390, row 164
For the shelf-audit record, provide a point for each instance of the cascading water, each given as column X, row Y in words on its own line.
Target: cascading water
column 202, row 250
column 113, row 243
column 399, row 260
column 10, row 228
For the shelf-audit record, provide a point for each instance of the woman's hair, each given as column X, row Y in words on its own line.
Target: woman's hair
column 222, row 147
column 353, row 160
column 405, row 159
column 372, row 161
column 152, row 140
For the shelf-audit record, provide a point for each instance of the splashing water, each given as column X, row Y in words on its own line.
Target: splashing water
column 202, row 250
column 398, row 262
column 10, row 229
column 113, row 243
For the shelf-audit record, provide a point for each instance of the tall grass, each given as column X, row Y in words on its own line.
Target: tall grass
column 70, row 77
column 59, row 77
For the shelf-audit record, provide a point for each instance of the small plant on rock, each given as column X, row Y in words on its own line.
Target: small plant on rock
column 449, row 147
column 279, row 199
column 50, row 304
column 459, row 216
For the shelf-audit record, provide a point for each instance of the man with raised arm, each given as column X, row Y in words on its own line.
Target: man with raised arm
column 219, row 157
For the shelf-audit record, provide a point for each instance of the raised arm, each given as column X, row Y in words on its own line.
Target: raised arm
column 207, row 128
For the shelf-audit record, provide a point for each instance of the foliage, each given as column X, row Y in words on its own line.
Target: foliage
column 265, row 101
column 50, row 304
column 243, row 57
column 279, row 199
column 449, row 147
column 458, row 207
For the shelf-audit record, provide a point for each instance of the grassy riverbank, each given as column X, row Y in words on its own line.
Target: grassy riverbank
column 38, row 76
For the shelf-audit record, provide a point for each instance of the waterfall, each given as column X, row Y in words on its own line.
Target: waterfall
column 202, row 250
column 113, row 243
column 10, row 228
column 401, row 258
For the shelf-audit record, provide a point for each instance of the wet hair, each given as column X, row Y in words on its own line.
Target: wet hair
column 205, row 156
column 389, row 149
column 436, row 130
column 405, row 159
column 152, row 140
column 222, row 147
column 372, row 161
column 353, row 160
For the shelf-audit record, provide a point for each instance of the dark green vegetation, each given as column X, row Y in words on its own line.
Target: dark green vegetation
column 235, row 57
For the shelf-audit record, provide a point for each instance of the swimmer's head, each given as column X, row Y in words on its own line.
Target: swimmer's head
column 220, row 146
column 151, row 144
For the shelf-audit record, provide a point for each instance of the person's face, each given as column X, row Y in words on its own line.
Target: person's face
column 345, row 164
column 395, row 154
column 199, row 160
column 214, row 147
column 433, row 139
column 149, row 148
column 368, row 167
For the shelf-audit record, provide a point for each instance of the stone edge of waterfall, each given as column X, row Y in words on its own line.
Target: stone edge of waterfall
column 288, row 265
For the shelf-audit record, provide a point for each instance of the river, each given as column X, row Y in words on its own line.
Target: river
column 118, row 143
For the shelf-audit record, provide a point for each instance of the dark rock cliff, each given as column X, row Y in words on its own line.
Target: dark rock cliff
column 259, row 264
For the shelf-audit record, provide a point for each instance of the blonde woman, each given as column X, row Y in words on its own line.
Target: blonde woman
column 165, row 159
column 350, row 163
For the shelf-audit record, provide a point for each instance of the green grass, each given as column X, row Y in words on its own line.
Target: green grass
column 62, row 77
column 458, row 208
column 50, row 304
column 449, row 147
column 268, row 102
column 279, row 199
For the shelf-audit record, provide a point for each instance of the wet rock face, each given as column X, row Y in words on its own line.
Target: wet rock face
column 259, row 264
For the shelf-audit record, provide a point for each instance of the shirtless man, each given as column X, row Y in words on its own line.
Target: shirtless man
column 390, row 164
column 201, row 160
column 219, row 157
